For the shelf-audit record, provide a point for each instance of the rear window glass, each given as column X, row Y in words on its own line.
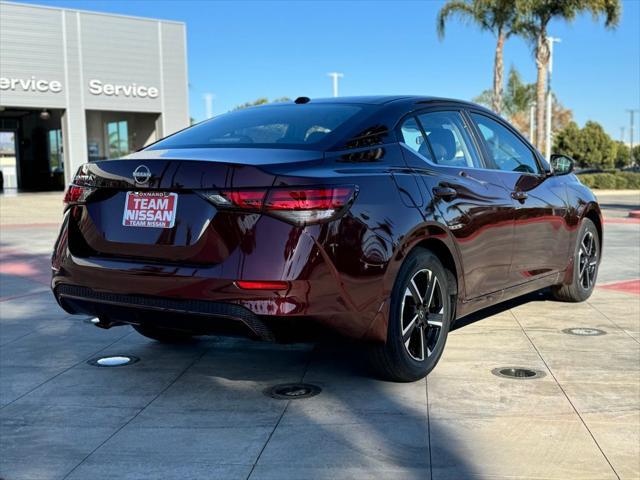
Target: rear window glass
column 270, row 125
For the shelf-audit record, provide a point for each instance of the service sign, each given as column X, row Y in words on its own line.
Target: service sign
column 150, row 209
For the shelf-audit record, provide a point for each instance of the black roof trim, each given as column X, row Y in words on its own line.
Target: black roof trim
column 407, row 100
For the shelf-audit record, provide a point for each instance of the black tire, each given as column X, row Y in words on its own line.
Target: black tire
column 584, row 275
column 163, row 335
column 395, row 360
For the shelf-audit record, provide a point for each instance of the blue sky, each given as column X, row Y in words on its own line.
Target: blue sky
column 240, row 51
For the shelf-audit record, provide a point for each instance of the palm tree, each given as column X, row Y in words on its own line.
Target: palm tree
column 500, row 17
column 534, row 24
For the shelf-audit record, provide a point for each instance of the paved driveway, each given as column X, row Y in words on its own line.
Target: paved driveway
column 199, row 412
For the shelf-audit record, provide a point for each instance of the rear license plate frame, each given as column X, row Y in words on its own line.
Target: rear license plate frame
column 151, row 214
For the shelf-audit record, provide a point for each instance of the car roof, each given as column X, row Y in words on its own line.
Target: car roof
column 365, row 99
column 406, row 100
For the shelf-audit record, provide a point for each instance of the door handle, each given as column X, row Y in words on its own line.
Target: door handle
column 519, row 195
column 444, row 192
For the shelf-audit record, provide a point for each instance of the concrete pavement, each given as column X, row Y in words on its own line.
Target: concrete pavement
column 198, row 411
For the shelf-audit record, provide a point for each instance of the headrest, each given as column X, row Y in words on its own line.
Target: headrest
column 443, row 144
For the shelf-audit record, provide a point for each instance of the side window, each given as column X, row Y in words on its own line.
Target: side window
column 507, row 151
column 449, row 140
column 414, row 139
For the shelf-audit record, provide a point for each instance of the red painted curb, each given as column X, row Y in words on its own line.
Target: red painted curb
column 621, row 220
column 626, row 286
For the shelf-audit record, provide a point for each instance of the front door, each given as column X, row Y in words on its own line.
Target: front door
column 467, row 197
column 541, row 232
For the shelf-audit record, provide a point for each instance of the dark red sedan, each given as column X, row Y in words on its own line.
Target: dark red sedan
column 383, row 219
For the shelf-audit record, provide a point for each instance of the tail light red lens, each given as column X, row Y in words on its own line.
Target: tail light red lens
column 308, row 198
column 249, row 199
column 261, row 285
column 81, row 188
column 76, row 194
column 298, row 205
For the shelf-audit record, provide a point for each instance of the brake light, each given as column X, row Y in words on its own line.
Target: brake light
column 76, row 195
column 298, row 205
column 81, row 188
column 249, row 199
column 308, row 199
column 269, row 285
column 303, row 206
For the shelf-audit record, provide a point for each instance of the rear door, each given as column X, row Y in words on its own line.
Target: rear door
column 467, row 197
column 541, row 232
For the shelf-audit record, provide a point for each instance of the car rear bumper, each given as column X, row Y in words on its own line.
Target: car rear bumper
column 206, row 300
column 198, row 316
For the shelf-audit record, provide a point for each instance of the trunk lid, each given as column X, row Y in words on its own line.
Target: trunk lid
column 200, row 233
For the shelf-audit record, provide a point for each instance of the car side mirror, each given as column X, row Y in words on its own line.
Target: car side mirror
column 561, row 165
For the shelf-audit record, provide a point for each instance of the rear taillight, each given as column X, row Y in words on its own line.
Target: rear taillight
column 81, row 188
column 261, row 285
column 76, row 194
column 247, row 199
column 298, row 205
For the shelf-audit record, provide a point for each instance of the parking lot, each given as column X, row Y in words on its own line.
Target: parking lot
column 199, row 411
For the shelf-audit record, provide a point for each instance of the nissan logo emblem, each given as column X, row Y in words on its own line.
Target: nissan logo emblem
column 142, row 174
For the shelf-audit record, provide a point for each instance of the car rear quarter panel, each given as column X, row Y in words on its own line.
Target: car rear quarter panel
column 583, row 204
column 384, row 224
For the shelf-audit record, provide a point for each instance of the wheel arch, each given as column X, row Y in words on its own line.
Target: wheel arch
column 437, row 239
column 444, row 254
column 593, row 213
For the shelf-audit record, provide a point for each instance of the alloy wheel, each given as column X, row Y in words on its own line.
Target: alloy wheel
column 587, row 261
column 422, row 314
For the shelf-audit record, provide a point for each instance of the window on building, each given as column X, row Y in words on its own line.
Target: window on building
column 56, row 162
column 8, row 157
column 118, row 139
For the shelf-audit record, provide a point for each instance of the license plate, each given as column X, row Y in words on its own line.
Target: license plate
column 150, row 209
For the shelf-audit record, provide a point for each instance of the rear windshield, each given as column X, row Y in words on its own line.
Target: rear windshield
column 264, row 126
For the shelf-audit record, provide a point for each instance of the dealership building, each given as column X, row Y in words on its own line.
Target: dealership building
column 79, row 86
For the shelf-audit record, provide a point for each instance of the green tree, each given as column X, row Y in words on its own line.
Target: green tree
column 518, row 98
column 519, row 95
column 534, row 25
column 499, row 17
column 261, row 101
column 568, row 142
column 589, row 146
column 623, row 155
column 635, row 155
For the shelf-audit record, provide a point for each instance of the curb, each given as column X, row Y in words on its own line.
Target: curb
column 615, row 192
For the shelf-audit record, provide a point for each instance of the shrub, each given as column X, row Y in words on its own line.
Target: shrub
column 615, row 180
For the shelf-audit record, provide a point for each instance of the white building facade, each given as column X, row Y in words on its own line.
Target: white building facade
column 80, row 86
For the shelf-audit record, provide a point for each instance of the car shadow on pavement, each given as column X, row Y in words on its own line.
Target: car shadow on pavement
column 357, row 427
column 538, row 296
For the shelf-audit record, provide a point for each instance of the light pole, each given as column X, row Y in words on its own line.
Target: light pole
column 335, row 76
column 632, row 112
column 208, row 104
column 532, row 116
column 550, row 42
